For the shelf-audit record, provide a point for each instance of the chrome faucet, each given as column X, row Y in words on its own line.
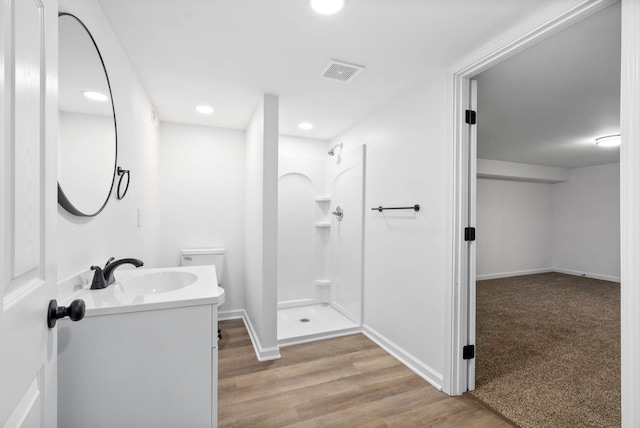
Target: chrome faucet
column 339, row 213
column 103, row 277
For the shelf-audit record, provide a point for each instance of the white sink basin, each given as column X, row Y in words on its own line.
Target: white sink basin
column 148, row 289
column 158, row 282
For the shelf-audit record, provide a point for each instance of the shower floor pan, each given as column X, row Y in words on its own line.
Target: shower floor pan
column 313, row 322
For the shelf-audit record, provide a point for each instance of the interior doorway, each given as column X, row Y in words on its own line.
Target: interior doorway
column 533, row 154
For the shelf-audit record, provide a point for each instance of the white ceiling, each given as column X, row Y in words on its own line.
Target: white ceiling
column 226, row 53
column 547, row 104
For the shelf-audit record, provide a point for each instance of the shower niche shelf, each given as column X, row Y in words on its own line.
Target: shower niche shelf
column 323, row 282
column 322, row 224
column 321, row 199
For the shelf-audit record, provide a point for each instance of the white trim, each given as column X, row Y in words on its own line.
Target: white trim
column 587, row 274
column 451, row 247
column 630, row 212
column 412, row 363
column 471, row 246
column 231, row 315
column 455, row 374
column 555, row 18
column 318, row 336
column 263, row 354
column 514, row 273
column 547, row 270
column 551, row 20
column 27, row 406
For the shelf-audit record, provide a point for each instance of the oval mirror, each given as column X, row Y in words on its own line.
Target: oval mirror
column 87, row 137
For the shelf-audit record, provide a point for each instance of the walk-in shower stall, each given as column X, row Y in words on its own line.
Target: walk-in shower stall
column 320, row 245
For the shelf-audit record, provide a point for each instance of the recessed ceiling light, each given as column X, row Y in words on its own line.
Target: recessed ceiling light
column 305, row 125
column 327, row 7
column 205, row 109
column 95, row 96
column 609, row 141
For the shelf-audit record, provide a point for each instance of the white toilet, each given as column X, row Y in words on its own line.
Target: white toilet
column 204, row 256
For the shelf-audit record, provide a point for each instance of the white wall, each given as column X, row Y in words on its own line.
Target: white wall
column 202, row 199
column 302, row 147
column 83, row 242
column 405, row 251
column 302, row 248
column 513, row 228
column 571, row 227
column 261, row 226
column 586, row 226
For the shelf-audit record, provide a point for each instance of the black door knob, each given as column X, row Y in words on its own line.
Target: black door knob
column 75, row 312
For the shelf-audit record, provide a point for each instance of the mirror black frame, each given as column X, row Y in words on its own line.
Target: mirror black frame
column 62, row 198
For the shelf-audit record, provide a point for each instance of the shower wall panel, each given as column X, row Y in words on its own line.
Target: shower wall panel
column 345, row 176
column 300, row 256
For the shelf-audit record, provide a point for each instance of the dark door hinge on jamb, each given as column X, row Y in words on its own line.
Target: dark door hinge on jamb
column 468, row 352
column 469, row 233
column 470, row 117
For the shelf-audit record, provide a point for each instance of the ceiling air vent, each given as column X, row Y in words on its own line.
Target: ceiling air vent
column 341, row 71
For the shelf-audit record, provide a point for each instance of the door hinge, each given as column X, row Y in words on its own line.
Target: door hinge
column 469, row 233
column 468, row 352
column 470, row 117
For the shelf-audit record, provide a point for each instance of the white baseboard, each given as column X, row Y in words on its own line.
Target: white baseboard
column 231, row 315
column 546, row 270
column 416, row 366
column 319, row 336
column 515, row 273
column 588, row 275
column 262, row 353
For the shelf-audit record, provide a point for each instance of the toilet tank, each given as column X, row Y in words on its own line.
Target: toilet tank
column 204, row 256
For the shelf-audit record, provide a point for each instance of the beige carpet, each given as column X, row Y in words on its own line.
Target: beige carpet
column 548, row 350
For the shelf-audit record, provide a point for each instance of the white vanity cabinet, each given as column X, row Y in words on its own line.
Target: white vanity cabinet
column 146, row 366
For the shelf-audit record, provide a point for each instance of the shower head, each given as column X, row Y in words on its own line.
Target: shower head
column 332, row 150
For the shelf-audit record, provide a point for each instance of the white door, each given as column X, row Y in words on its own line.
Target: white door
column 28, row 115
column 471, row 221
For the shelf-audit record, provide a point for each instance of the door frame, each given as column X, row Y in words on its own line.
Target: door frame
column 630, row 212
column 460, row 293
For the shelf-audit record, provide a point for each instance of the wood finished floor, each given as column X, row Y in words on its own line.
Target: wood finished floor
column 343, row 382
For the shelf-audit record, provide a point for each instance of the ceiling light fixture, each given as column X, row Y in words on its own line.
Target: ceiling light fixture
column 205, row 109
column 327, row 7
column 609, row 141
column 95, row 96
column 305, row 125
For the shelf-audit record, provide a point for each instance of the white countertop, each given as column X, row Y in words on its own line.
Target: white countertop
column 116, row 299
